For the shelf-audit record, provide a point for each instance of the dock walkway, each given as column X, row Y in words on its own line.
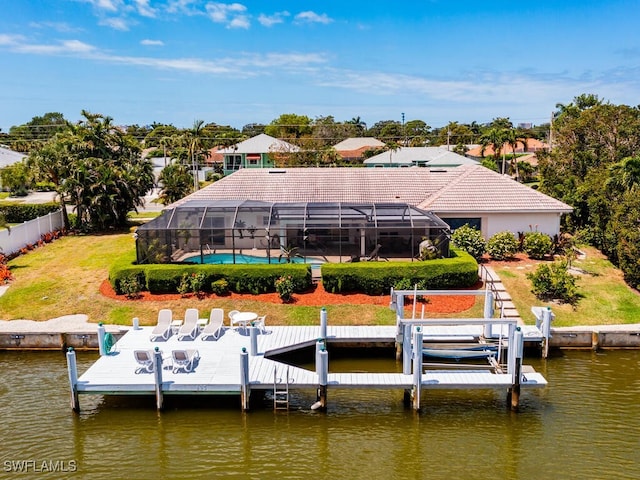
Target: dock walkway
column 218, row 371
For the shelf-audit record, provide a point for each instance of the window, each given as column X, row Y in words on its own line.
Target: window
column 232, row 162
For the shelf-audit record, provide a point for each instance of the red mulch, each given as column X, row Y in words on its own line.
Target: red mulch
column 317, row 297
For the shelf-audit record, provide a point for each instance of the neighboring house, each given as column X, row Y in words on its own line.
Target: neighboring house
column 430, row 157
column 9, row 157
column 256, row 152
column 466, row 194
column 352, row 149
column 533, row 145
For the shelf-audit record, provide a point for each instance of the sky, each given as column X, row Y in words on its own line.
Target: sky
column 179, row 61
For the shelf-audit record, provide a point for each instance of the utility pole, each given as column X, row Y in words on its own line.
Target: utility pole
column 404, row 132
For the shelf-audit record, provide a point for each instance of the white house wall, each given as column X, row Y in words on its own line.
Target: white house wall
column 493, row 223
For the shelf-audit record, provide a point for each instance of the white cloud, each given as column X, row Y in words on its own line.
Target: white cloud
column 152, row 43
column 270, row 20
column 145, row 9
column 231, row 14
column 61, row 27
column 109, row 5
column 115, row 23
column 10, row 40
column 313, row 17
column 185, row 7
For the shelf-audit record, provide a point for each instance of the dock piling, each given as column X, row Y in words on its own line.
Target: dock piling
column 406, row 350
column 101, row 335
column 518, row 353
column 244, row 379
column 157, row 376
column 253, row 337
column 72, row 368
column 322, row 370
column 323, row 323
column 488, row 313
column 417, row 368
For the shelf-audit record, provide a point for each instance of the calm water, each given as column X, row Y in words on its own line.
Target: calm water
column 585, row 425
column 227, row 258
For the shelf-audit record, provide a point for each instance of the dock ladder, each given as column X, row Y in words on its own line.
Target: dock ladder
column 280, row 390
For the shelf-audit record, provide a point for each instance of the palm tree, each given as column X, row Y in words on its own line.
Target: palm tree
column 495, row 137
column 195, row 143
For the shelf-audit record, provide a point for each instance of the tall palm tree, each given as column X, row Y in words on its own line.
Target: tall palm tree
column 195, row 144
column 496, row 137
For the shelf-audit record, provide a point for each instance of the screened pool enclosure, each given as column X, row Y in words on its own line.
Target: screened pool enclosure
column 337, row 232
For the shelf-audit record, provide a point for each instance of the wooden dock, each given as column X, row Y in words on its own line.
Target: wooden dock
column 219, row 370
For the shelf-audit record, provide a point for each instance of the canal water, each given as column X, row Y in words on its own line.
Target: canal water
column 585, row 424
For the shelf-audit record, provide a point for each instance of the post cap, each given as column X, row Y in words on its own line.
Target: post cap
column 324, row 309
column 157, row 349
column 244, row 350
column 518, row 329
column 70, row 349
column 100, row 324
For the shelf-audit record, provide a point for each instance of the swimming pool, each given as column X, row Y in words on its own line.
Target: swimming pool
column 227, row 258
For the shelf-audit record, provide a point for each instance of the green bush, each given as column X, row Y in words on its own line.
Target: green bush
column 284, row 286
column 537, row 244
column 554, row 282
column 21, row 212
column 470, row 240
column 502, row 245
column 377, row 278
column 131, row 286
column 220, row 287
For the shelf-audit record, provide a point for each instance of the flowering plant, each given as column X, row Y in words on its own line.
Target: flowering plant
column 284, row 287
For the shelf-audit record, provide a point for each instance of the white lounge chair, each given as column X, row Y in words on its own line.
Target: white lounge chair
column 190, row 326
column 260, row 324
column 184, row 360
column 163, row 327
column 145, row 361
column 214, row 327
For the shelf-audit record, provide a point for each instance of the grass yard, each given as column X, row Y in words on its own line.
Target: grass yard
column 607, row 300
column 65, row 276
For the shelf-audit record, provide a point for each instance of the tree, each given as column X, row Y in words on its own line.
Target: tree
column 176, row 182
column 16, row 178
column 104, row 177
column 194, row 139
column 39, row 129
column 417, row 133
column 358, row 127
column 289, row 127
column 387, row 131
column 496, row 138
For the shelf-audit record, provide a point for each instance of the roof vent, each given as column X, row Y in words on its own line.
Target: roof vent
column 277, row 171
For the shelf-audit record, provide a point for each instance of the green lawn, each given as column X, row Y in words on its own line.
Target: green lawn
column 606, row 300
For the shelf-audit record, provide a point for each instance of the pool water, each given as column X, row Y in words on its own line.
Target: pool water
column 227, row 258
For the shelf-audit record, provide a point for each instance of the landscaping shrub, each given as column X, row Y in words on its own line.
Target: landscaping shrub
column 284, row 286
column 470, row 240
column 21, row 212
column 377, row 278
column 502, row 245
column 554, row 282
column 131, row 286
column 537, row 244
column 220, row 287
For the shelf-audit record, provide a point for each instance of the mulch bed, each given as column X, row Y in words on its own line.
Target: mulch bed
column 317, row 297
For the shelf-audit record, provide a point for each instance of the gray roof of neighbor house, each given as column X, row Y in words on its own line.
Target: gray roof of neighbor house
column 9, row 157
column 431, row 156
column 262, row 143
column 356, row 143
column 469, row 188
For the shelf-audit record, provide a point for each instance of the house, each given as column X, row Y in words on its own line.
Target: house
column 531, row 145
column 345, row 211
column 431, row 157
column 260, row 151
column 352, row 149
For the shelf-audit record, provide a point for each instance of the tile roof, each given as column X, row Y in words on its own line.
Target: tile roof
column 464, row 188
column 357, row 143
column 408, row 155
column 262, row 143
column 479, row 189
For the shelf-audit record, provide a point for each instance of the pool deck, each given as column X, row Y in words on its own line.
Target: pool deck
column 218, row 370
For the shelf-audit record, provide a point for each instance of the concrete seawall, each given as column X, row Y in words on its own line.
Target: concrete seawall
column 598, row 337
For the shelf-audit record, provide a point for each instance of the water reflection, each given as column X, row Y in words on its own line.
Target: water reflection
column 584, row 425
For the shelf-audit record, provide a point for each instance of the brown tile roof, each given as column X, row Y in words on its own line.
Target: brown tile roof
column 465, row 188
column 533, row 145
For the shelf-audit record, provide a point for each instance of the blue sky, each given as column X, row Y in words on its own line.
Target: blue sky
column 176, row 61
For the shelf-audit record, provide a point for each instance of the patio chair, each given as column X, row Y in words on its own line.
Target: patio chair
column 145, row 361
column 163, row 327
column 259, row 324
column 190, row 326
column 184, row 360
column 231, row 314
column 214, row 327
column 374, row 254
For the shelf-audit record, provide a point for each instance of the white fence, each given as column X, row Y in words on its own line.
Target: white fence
column 29, row 232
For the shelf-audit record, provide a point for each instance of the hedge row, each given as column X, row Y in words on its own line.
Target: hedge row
column 165, row 278
column 20, row 212
column 377, row 278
